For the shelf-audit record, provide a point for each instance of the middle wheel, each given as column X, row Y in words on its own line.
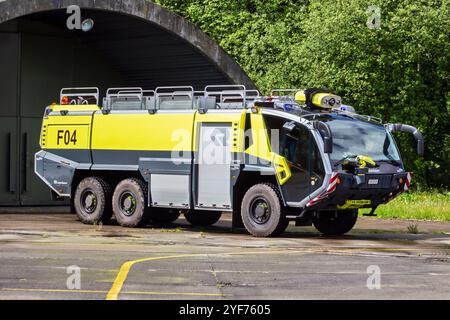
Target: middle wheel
column 130, row 202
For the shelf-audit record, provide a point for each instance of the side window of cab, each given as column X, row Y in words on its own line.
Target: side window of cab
column 299, row 148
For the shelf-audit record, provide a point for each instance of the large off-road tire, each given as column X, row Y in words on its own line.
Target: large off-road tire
column 162, row 216
column 129, row 202
column 331, row 225
column 92, row 201
column 202, row 218
column 261, row 211
column 281, row 228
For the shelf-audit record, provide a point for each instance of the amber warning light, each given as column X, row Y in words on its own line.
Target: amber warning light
column 65, row 100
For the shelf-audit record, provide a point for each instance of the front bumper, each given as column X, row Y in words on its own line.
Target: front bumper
column 360, row 191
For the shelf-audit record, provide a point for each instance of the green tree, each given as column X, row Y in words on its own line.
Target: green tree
column 398, row 72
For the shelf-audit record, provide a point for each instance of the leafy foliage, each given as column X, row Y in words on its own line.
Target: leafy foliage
column 398, row 72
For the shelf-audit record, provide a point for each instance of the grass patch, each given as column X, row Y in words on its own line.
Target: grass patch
column 419, row 205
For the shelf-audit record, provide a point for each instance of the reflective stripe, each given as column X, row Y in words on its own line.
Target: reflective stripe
column 330, row 189
column 408, row 181
column 333, row 182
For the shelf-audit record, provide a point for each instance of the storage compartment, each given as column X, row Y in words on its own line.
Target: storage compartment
column 169, row 190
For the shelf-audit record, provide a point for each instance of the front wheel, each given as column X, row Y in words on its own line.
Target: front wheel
column 261, row 211
column 335, row 223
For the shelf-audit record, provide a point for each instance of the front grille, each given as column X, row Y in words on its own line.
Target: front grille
column 377, row 181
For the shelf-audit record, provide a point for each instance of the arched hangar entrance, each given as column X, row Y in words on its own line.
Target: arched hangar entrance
column 133, row 43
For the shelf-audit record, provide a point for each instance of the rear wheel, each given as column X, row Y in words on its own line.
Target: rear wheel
column 92, row 201
column 202, row 218
column 330, row 223
column 261, row 211
column 163, row 216
column 129, row 202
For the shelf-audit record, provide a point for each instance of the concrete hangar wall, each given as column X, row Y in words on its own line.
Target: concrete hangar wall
column 133, row 43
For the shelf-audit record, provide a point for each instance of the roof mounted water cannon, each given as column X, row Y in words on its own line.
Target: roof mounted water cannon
column 318, row 98
column 314, row 98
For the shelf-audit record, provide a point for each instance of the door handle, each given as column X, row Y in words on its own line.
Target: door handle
column 25, row 165
column 12, row 176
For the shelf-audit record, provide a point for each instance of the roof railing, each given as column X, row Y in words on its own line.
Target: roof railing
column 174, row 98
column 128, row 98
column 125, row 92
column 282, row 92
column 79, row 95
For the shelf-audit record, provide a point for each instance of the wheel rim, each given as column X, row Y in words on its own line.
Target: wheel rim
column 127, row 203
column 88, row 201
column 260, row 210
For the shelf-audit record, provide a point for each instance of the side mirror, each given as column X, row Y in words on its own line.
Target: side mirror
column 325, row 132
column 409, row 129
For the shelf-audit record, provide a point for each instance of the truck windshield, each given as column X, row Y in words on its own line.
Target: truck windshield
column 353, row 137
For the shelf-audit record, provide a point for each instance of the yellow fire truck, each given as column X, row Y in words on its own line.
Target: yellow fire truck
column 150, row 155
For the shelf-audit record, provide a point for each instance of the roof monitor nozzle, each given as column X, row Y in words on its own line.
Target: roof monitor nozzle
column 318, row 98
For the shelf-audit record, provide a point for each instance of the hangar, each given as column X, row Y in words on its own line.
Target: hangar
column 133, row 43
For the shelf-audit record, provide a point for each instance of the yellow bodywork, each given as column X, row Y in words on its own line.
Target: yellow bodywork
column 85, row 127
column 66, row 132
column 261, row 148
column 156, row 132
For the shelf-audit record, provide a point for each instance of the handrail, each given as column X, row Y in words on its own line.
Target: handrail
column 272, row 93
column 174, row 91
column 81, row 93
column 119, row 91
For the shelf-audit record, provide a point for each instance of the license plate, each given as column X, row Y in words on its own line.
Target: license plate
column 372, row 181
column 349, row 204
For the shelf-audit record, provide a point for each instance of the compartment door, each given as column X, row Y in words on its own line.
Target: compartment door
column 214, row 166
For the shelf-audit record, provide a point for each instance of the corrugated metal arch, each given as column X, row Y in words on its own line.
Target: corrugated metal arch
column 149, row 11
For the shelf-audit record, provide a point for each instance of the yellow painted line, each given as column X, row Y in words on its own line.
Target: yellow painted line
column 125, row 268
column 124, row 292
